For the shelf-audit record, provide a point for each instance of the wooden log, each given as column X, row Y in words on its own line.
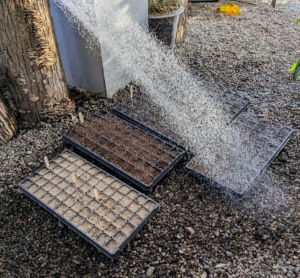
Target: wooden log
column 181, row 29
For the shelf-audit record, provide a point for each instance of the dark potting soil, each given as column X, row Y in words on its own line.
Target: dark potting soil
column 139, row 154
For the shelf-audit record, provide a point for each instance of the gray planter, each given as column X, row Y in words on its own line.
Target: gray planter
column 92, row 70
column 165, row 26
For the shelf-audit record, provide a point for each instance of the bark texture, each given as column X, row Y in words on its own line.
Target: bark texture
column 181, row 30
column 8, row 122
column 30, row 55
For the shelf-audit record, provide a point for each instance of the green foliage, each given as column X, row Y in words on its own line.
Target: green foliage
column 295, row 69
column 163, row 6
column 3, row 52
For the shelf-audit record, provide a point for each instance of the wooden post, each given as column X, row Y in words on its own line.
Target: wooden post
column 181, row 29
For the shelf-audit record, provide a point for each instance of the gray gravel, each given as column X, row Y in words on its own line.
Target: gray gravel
column 198, row 232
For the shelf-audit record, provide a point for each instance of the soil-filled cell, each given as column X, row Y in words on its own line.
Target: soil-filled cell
column 85, row 188
column 168, row 158
column 116, row 185
column 128, row 229
column 118, row 208
column 102, row 224
column 62, row 196
column 35, row 177
column 102, row 210
column 144, row 166
column 101, row 186
column 154, row 172
column 141, row 200
column 78, row 194
column 120, row 237
column 27, row 183
column 137, row 174
column 134, row 207
column 77, row 207
column 143, row 213
column 102, row 152
column 161, row 165
column 119, row 222
column 54, row 203
column 85, row 177
column 70, row 201
column 85, row 200
column 149, row 205
column 56, row 180
column 94, row 233
column 70, row 189
column 93, row 205
column 55, row 191
column 94, row 218
column 132, row 194
column 103, row 239
column 110, row 157
column 56, row 170
column 124, row 189
column 109, row 191
column 77, row 220
column 62, row 209
column 63, row 185
column 40, row 193
column 125, row 201
column 111, row 230
column 110, row 203
column 47, row 198
column 135, row 220
column 93, row 171
column 152, row 159
column 112, row 246
column 93, row 181
column 119, row 163
column 146, row 179
column 110, row 216
column 126, row 214
column 69, row 214
column 128, row 168
column 85, row 226
column 86, row 212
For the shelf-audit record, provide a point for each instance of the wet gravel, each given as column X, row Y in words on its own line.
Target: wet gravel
column 198, row 232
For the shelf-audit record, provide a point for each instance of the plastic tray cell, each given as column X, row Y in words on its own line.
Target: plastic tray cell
column 108, row 219
column 267, row 140
column 138, row 155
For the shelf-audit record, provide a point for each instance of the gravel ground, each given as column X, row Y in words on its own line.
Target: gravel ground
column 198, row 232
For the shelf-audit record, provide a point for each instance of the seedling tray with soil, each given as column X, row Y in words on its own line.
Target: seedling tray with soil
column 267, row 140
column 103, row 210
column 233, row 104
column 138, row 155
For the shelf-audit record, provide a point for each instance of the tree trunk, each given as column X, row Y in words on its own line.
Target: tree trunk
column 8, row 122
column 30, row 54
column 181, row 31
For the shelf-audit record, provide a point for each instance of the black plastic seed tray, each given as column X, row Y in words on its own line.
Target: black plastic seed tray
column 138, row 155
column 234, row 104
column 267, row 138
column 100, row 208
column 147, row 125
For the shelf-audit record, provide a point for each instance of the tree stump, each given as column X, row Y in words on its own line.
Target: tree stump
column 181, row 29
column 29, row 52
column 8, row 122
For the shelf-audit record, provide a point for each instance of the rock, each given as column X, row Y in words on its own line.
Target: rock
column 190, row 230
column 204, row 275
column 171, row 195
column 228, row 254
column 76, row 262
column 150, row 271
column 220, row 265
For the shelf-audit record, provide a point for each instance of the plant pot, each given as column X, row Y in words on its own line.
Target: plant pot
column 165, row 26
